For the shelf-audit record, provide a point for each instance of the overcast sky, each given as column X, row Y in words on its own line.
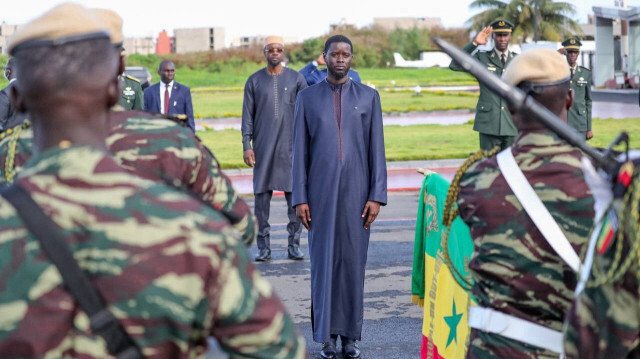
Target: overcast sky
column 292, row 18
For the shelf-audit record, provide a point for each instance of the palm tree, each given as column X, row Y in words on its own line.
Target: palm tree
column 555, row 21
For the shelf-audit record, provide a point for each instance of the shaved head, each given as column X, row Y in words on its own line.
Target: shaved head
column 557, row 98
column 76, row 66
column 163, row 63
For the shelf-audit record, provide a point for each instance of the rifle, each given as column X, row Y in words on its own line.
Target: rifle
column 520, row 101
column 619, row 172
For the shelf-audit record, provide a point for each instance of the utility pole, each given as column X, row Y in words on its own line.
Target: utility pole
column 536, row 15
column 624, row 38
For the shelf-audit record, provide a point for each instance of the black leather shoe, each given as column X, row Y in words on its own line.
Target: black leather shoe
column 295, row 253
column 329, row 350
column 263, row 255
column 350, row 349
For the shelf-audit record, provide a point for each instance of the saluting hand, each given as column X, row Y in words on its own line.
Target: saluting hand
column 371, row 210
column 304, row 214
column 249, row 158
column 483, row 36
column 589, row 135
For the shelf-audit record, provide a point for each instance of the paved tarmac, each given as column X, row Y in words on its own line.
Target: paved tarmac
column 392, row 327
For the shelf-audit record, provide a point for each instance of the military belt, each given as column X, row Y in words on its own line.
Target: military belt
column 508, row 326
column 536, row 210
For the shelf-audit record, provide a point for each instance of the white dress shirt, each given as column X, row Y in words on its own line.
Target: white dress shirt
column 162, row 88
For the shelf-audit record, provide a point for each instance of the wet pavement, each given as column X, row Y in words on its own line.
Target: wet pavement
column 392, row 326
column 615, row 110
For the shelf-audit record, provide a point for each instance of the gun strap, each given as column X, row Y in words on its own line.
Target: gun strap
column 102, row 321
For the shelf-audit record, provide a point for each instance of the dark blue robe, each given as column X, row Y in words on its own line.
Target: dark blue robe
column 267, row 126
column 338, row 165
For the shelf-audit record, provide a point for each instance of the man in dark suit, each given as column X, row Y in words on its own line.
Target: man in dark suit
column 168, row 97
column 9, row 117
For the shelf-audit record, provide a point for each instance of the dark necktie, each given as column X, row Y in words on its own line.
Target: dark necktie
column 503, row 59
column 166, row 99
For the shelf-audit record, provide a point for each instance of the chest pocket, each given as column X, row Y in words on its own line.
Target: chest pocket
column 128, row 94
column 289, row 96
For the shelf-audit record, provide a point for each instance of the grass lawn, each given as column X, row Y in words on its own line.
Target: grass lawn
column 433, row 76
column 219, row 103
column 237, row 76
column 234, row 77
column 420, row 142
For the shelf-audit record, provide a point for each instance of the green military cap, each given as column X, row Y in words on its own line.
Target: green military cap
column 63, row 24
column 572, row 43
column 538, row 67
column 501, row 26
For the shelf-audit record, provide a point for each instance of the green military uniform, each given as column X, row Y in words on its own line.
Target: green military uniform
column 579, row 116
column 492, row 120
column 131, row 95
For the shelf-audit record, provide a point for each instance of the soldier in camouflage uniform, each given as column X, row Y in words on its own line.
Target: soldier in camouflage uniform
column 519, row 281
column 153, row 148
column 169, row 268
column 604, row 321
column 492, row 120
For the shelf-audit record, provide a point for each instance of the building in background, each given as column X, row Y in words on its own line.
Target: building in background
column 6, row 31
column 165, row 44
column 341, row 26
column 249, row 41
column 139, row 45
column 407, row 23
column 198, row 39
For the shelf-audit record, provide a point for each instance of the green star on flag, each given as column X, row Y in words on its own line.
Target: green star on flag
column 453, row 321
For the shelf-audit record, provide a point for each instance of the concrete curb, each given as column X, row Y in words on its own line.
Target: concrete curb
column 401, row 176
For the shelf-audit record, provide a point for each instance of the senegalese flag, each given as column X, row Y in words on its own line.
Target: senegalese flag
column 445, row 331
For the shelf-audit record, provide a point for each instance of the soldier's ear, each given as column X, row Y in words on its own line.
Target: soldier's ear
column 113, row 92
column 569, row 101
column 121, row 66
column 17, row 101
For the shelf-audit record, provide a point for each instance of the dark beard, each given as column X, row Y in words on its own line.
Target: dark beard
column 338, row 76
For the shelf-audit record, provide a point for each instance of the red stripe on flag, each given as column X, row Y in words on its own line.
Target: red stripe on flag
column 428, row 353
column 606, row 241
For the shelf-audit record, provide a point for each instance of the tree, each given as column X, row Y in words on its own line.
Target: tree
column 555, row 18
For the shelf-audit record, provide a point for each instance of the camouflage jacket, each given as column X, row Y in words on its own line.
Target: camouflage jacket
column 515, row 270
column 604, row 321
column 156, row 149
column 170, row 268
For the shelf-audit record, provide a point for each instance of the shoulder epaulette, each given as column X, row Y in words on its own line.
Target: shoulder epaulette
column 132, row 78
column 584, row 68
